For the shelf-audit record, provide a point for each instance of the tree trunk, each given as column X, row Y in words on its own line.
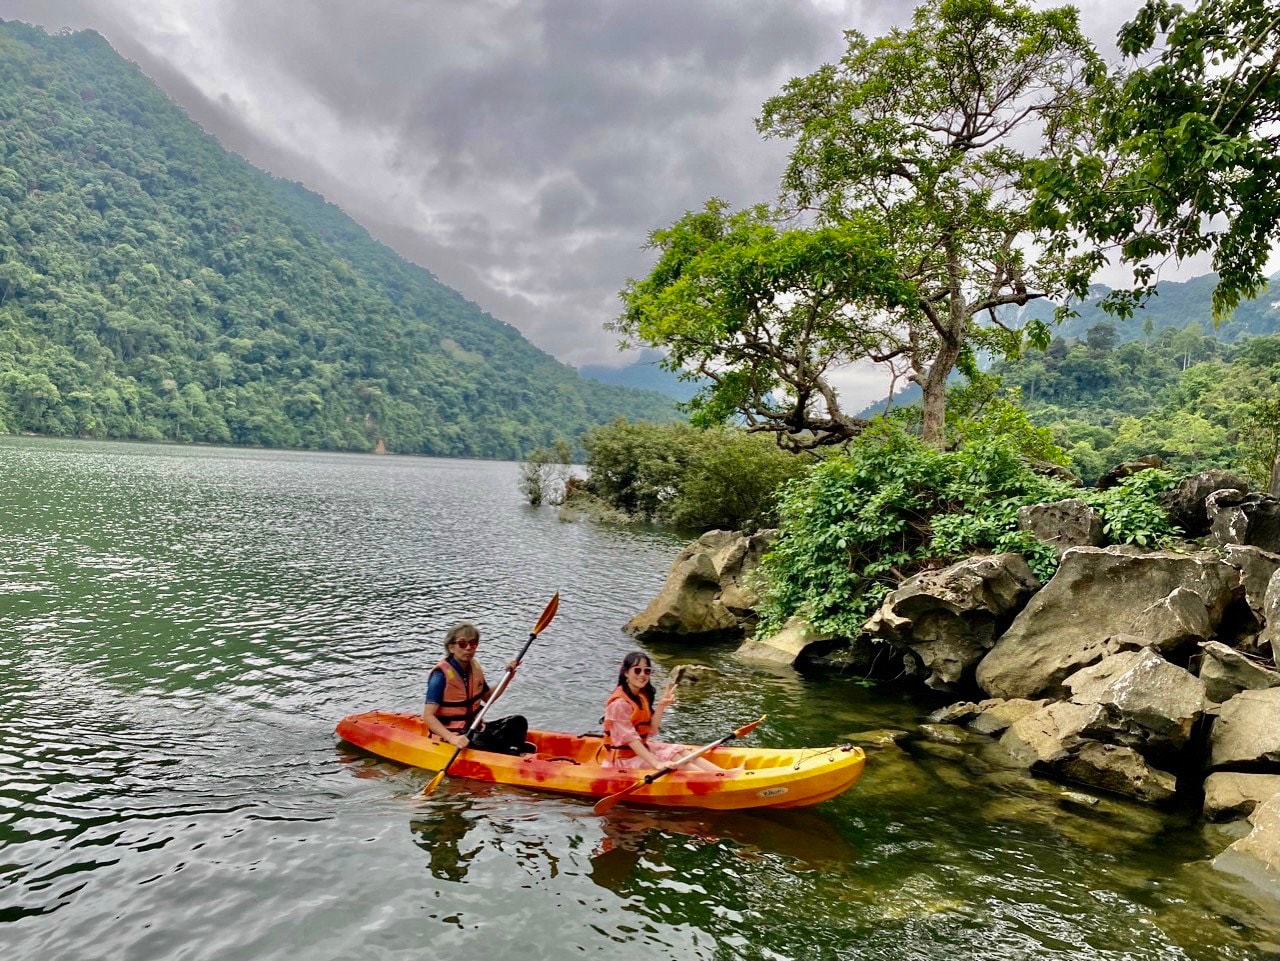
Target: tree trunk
column 934, row 431
column 1274, row 488
column 935, row 412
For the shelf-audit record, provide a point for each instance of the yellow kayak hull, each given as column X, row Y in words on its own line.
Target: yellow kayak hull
column 570, row 764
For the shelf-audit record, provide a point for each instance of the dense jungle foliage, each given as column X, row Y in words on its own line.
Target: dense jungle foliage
column 154, row 286
column 859, row 523
column 1183, row 394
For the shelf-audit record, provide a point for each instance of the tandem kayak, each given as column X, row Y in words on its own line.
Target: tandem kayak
column 570, row 764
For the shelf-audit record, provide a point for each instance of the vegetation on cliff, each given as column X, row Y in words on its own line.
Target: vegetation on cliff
column 859, row 523
column 154, row 286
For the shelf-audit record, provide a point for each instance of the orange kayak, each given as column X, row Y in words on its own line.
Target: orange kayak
column 570, row 764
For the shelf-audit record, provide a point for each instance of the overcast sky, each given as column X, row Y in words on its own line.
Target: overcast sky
column 521, row 150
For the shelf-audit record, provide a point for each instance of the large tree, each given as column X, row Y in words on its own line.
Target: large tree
column 1185, row 157
column 764, row 314
column 910, row 158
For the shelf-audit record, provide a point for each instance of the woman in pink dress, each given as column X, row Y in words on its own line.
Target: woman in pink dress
column 632, row 718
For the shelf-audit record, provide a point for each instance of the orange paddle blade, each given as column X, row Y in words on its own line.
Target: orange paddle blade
column 547, row 615
column 748, row 728
column 433, row 784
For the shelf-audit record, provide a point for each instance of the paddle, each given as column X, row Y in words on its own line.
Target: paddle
column 605, row 805
column 547, row 614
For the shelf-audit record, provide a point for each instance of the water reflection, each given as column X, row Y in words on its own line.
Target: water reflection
column 441, row 836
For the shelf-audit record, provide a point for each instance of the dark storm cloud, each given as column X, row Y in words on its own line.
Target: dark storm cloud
column 520, row 150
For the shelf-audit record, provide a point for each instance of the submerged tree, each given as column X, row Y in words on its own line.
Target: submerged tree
column 910, row 159
column 544, row 475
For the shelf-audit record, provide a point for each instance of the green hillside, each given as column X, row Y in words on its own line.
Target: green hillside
column 155, row 286
column 1175, row 305
column 1183, row 394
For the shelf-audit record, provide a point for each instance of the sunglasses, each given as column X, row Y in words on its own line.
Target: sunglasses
column 642, row 670
column 475, row 643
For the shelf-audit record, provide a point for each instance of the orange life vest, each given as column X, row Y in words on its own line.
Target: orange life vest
column 462, row 700
column 641, row 720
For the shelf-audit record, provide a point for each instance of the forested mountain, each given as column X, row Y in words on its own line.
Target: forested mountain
column 155, row 286
column 1182, row 394
column 1175, row 305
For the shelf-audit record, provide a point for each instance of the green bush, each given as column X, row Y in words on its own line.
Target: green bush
column 689, row 478
column 854, row 527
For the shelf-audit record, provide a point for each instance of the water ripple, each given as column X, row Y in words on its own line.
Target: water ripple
column 184, row 626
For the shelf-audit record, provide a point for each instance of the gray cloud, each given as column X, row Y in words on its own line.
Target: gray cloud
column 521, row 150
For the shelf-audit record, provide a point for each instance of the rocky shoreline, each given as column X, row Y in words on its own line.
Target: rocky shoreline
column 1145, row 673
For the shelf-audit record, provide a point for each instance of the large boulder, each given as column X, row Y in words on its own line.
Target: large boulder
column 1063, row 524
column 1257, row 855
column 1227, row 672
column 1256, row 568
column 1247, row 732
column 1120, row 770
column 1230, row 795
column 950, row 617
column 1185, row 503
column 787, row 645
column 1239, row 518
column 1049, row 735
column 1174, row 622
column 1147, row 701
column 707, row 592
column 1271, row 617
column 1080, row 616
column 1057, row 739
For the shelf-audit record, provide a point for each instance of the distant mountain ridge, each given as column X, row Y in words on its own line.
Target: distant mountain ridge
column 155, row 286
column 1176, row 305
column 645, row 373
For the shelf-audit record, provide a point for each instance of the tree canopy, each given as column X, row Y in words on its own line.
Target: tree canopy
column 1185, row 155
column 911, row 151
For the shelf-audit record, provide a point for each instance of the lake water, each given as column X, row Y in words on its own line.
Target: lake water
column 183, row 627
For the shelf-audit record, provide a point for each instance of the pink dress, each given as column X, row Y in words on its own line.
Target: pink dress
column 618, row 714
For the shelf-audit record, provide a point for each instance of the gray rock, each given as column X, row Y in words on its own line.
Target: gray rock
column 956, row 713
column 1239, row 518
column 1063, row 524
column 1048, row 736
column 997, row 715
column 950, row 617
column 1113, row 477
column 1230, row 795
column 1185, row 503
column 1120, row 770
column 879, row 738
column 1174, row 622
column 1257, row 856
column 947, row 734
column 1271, row 618
column 707, row 592
column 1256, row 568
column 1227, row 672
column 1147, row 699
column 1097, row 595
column 784, row 647
column 1247, row 731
